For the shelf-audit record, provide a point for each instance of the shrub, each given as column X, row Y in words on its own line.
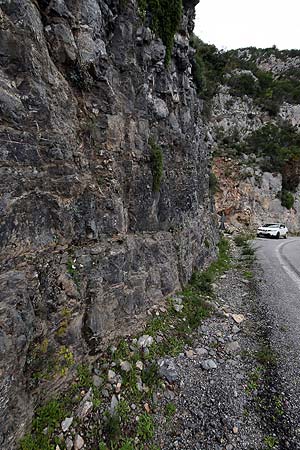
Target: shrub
column 287, row 199
column 243, row 84
column 279, row 149
column 208, row 67
column 157, row 165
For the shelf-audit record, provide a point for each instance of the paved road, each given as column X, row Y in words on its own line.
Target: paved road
column 279, row 292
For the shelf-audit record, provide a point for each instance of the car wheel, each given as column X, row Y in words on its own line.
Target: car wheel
column 278, row 235
column 285, row 236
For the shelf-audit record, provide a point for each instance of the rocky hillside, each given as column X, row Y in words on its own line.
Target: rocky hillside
column 253, row 123
column 105, row 206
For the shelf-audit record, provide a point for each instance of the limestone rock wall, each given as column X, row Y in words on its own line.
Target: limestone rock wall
column 248, row 196
column 86, row 245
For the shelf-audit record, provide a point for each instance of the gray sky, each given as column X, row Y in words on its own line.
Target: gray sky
column 259, row 23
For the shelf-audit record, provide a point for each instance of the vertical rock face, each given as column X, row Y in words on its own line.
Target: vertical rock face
column 253, row 176
column 87, row 245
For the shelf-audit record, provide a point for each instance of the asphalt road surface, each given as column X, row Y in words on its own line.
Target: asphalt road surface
column 279, row 294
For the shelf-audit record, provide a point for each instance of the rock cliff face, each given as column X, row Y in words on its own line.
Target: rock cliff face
column 104, row 186
column 258, row 96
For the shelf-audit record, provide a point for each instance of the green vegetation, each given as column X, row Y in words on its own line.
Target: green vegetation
column 47, row 418
column 266, row 356
column 268, row 91
column 208, row 67
column 248, row 274
column 270, row 441
column 164, row 18
column 145, row 430
column 278, row 148
column 242, row 239
column 212, row 67
column 73, row 271
column 213, row 184
column 120, row 429
column 287, row 199
column 170, row 410
column 157, row 165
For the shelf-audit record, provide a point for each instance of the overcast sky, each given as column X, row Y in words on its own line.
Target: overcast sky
column 260, row 23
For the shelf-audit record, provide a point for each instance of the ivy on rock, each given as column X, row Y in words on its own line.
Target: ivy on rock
column 165, row 17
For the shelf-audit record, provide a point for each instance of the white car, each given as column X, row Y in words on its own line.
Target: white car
column 276, row 230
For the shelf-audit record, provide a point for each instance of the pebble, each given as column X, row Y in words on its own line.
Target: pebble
column 235, row 430
column 126, row 366
column 111, row 376
column 78, row 442
column 235, row 329
column 189, row 353
column 139, row 365
column 147, row 408
column 145, row 341
column 201, row 351
column 232, row 347
column 97, row 381
column 65, row 425
column 86, row 409
column 113, row 404
column 238, row 318
column 178, row 308
column 168, row 370
column 208, row 364
column 69, row 443
column 105, row 393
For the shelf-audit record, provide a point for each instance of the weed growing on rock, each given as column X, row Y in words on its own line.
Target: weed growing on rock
column 170, row 410
column 164, row 17
column 157, row 165
column 46, row 420
column 270, row 442
column 266, row 356
column 145, row 429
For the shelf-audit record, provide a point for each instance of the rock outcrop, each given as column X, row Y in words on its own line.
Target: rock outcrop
column 104, row 186
column 261, row 90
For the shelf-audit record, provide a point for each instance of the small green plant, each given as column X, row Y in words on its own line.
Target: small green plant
column 145, row 429
column 241, row 239
column 254, row 380
column 64, row 360
column 157, row 165
column 103, row 446
column 206, row 243
column 128, row 444
column 123, row 410
column 270, row 441
column 112, row 427
column 248, row 274
column 266, row 356
column 278, row 403
column 170, row 410
column 84, row 375
column 247, row 250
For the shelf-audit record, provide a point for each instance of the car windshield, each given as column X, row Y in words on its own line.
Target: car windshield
column 271, row 225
